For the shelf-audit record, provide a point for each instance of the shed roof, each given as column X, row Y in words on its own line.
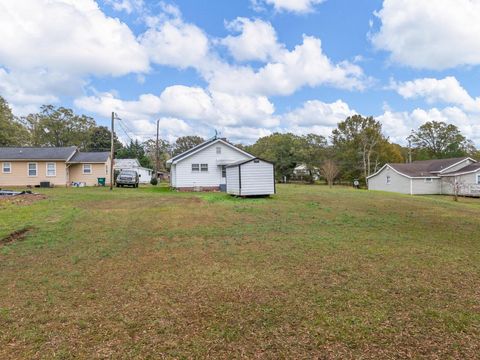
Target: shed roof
column 36, row 153
column 241, row 162
column 90, row 157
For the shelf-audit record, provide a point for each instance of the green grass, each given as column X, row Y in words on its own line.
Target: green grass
column 309, row 273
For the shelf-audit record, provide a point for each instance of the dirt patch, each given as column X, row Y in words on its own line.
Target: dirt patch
column 24, row 199
column 15, row 236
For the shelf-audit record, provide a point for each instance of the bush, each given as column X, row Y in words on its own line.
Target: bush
column 154, row 181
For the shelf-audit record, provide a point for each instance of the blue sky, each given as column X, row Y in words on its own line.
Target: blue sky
column 246, row 68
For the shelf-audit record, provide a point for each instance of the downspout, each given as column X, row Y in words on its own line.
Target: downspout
column 411, row 186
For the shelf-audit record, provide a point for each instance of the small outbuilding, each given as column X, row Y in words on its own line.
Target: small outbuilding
column 253, row 177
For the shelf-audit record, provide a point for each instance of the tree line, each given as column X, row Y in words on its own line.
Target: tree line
column 356, row 148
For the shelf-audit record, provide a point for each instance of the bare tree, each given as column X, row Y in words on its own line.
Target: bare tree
column 330, row 171
column 455, row 184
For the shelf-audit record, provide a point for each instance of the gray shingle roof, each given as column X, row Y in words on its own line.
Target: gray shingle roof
column 90, row 157
column 470, row 168
column 425, row 168
column 36, row 153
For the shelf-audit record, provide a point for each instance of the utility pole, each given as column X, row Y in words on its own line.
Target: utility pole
column 409, row 151
column 112, row 150
column 157, row 155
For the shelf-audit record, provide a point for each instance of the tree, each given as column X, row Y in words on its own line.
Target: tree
column 185, row 143
column 329, row 171
column 135, row 150
column 312, row 153
column 164, row 150
column 281, row 149
column 12, row 131
column 99, row 139
column 59, row 127
column 439, row 140
column 357, row 142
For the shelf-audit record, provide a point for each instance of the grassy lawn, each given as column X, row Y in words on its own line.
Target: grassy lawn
column 309, row 273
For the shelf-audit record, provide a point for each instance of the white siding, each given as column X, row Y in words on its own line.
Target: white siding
column 398, row 183
column 173, row 176
column 422, row 187
column 185, row 177
column 233, row 180
column 257, row 178
column 468, row 184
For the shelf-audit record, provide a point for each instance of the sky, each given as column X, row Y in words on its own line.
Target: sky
column 245, row 68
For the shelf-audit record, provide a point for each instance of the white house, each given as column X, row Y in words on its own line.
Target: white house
column 253, row 177
column 204, row 166
column 429, row 177
column 134, row 164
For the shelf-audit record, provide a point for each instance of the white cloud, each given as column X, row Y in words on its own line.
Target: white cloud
column 296, row 6
column 49, row 48
column 318, row 113
column 447, row 90
column 188, row 103
column 398, row 125
column 171, row 41
column 257, row 40
column 128, row 6
column 305, row 65
column 435, row 35
column 71, row 36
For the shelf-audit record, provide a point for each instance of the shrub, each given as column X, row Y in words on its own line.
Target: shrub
column 154, row 181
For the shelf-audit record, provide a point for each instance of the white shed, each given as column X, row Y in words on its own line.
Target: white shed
column 253, row 177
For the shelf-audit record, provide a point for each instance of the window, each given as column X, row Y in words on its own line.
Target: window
column 204, row 167
column 195, row 167
column 51, row 169
column 478, row 179
column 7, row 168
column 224, row 171
column 219, row 150
column 87, row 169
column 428, row 180
column 389, row 179
column 106, row 169
column 32, row 169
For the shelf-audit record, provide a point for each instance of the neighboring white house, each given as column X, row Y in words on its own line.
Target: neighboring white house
column 428, row 177
column 134, row 164
column 251, row 177
column 301, row 171
column 204, row 166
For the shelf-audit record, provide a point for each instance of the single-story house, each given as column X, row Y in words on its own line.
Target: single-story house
column 253, row 177
column 428, row 177
column 28, row 166
column 203, row 167
column 133, row 164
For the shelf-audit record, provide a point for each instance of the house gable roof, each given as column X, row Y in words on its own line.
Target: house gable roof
column 424, row 168
column 37, row 153
column 202, row 146
column 90, row 157
column 472, row 168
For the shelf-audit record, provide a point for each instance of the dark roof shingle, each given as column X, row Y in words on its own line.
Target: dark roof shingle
column 93, row 157
column 425, row 168
column 36, row 153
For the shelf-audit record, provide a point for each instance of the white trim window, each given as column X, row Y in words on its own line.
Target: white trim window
column 32, row 169
column 478, row 179
column 195, row 167
column 204, row 167
column 87, row 169
column 428, row 180
column 219, row 150
column 51, row 169
column 7, row 168
column 388, row 180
